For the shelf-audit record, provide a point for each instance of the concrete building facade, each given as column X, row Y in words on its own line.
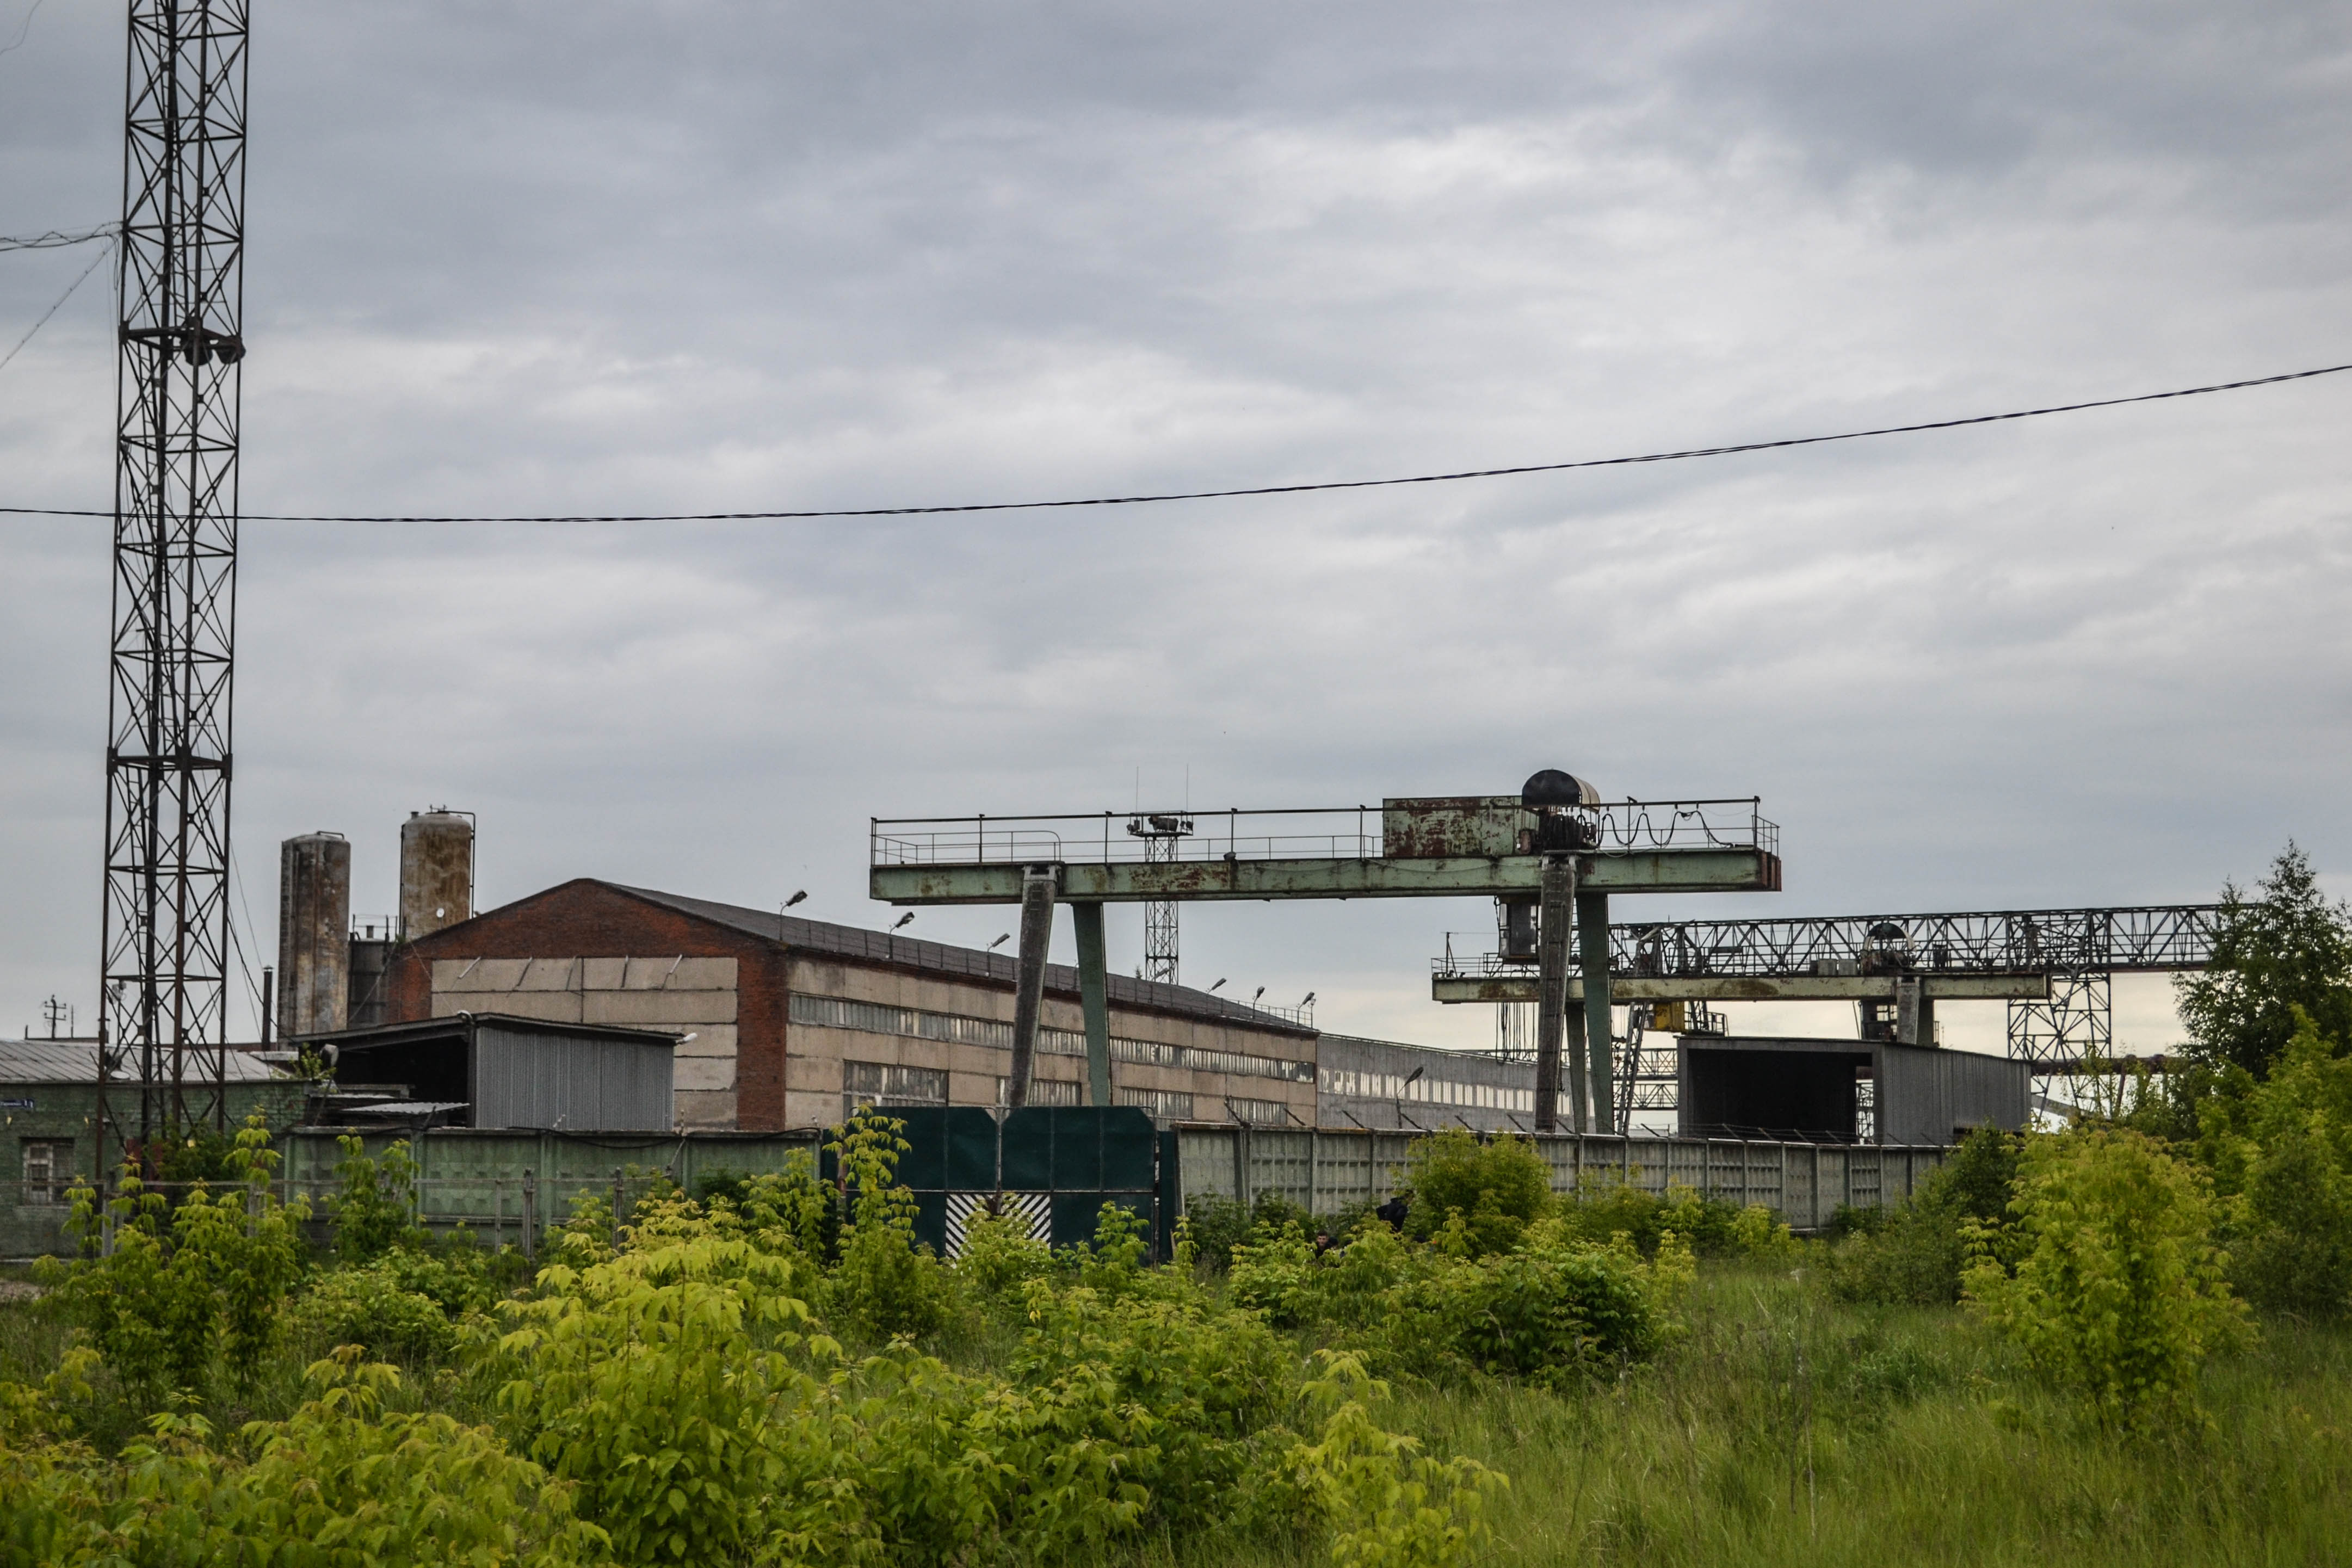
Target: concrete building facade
column 1386, row 1086
column 786, row 1022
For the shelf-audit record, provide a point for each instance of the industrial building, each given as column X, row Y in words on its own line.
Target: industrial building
column 1845, row 1092
column 49, row 1102
column 787, row 1022
column 1384, row 1086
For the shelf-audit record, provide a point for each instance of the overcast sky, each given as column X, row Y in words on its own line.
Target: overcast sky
column 659, row 256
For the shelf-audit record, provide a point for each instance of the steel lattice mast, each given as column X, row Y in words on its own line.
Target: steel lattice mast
column 164, row 996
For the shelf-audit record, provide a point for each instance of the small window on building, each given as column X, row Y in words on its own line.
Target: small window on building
column 870, row 1085
column 1043, row 1091
column 48, row 1170
column 1164, row 1104
column 1259, row 1112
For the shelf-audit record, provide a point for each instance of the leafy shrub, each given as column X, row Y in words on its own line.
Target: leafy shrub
column 375, row 1203
column 999, row 1256
column 1760, row 1238
column 1546, row 1312
column 1601, row 1210
column 2106, row 1274
column 1913, row 1253
column 1498, row 1188
column 1390, row 1505
column 342, row 1483
column 404, row 1307
column 185, row 1284
column 1276, row 1273
column 884, row 1285
column 1219, row 1224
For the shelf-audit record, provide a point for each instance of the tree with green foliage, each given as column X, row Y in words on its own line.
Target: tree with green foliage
column 2287, row 948
column 2106, row 1272
column 2281, row 1155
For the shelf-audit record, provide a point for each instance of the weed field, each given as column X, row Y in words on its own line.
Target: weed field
column 770, row 1372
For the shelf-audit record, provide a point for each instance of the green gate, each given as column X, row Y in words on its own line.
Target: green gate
column 1055, row 1165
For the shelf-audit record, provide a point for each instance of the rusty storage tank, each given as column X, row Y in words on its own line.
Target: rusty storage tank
column 437, row 871
column 314, row 913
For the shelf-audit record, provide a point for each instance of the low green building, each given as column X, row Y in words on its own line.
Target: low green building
column 49, row 1117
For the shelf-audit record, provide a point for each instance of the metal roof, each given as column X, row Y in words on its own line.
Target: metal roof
column 882, row 947
column 456, row 1025
column 76, row 1061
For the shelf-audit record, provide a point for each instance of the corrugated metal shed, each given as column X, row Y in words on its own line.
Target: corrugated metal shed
column 1758, row 1086
column 519, row 1072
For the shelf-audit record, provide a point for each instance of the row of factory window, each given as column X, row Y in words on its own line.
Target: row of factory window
column 873, row 1018
column 1421, row 1087
column 871, row 1085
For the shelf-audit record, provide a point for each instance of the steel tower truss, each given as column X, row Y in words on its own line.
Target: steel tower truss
column 163, row 995
column 1162, row 833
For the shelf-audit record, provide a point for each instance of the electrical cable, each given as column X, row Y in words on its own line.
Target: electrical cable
column 1146, row 499
column 53, row 309
column 56, row 238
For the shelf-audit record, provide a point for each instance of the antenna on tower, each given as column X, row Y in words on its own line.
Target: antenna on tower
column 1161, row 832
column 164, row 925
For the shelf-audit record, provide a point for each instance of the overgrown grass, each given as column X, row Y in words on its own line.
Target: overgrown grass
column 1792, row 1428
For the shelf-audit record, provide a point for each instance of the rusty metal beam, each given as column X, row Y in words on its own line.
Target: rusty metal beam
column 1526, row 987
column 1592, row 971
column 1029, row 983
column 1552, row 986
column 1646, row 872
column 1093, row 998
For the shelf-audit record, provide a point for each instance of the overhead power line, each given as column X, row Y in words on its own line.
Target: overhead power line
column 1239, row 492
column 56, row 237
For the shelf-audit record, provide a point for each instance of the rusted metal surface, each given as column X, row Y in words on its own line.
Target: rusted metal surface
column 437, row 871
column 1652, row 871
column 1521, row 985
column 1445, row 827
column 314, row 911
column 1473, row 825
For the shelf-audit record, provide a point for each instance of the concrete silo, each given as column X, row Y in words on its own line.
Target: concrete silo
column 437, row 871
column 314, row 913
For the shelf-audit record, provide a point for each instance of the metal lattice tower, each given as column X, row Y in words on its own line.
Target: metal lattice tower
column 1161, row 832
column 163, row 991
column 2077, row 1021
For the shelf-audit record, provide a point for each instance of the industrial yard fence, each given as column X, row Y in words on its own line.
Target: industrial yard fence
column 509, row 1187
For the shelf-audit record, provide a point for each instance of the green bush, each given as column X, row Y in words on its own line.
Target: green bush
column 1548, row 1312
column 375, row 1203
column 2107, row 1273
column 1498, row 1188
column 1602, row 1209
column 1913, row 1253
column 404, row 1307
column 342, row 1483
column 186, row 1285
column 1219, row 1224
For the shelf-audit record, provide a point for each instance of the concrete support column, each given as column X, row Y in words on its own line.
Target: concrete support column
column 1592, row 952
column 1094, row 997
column 1037, row 889
column 1557, row 913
